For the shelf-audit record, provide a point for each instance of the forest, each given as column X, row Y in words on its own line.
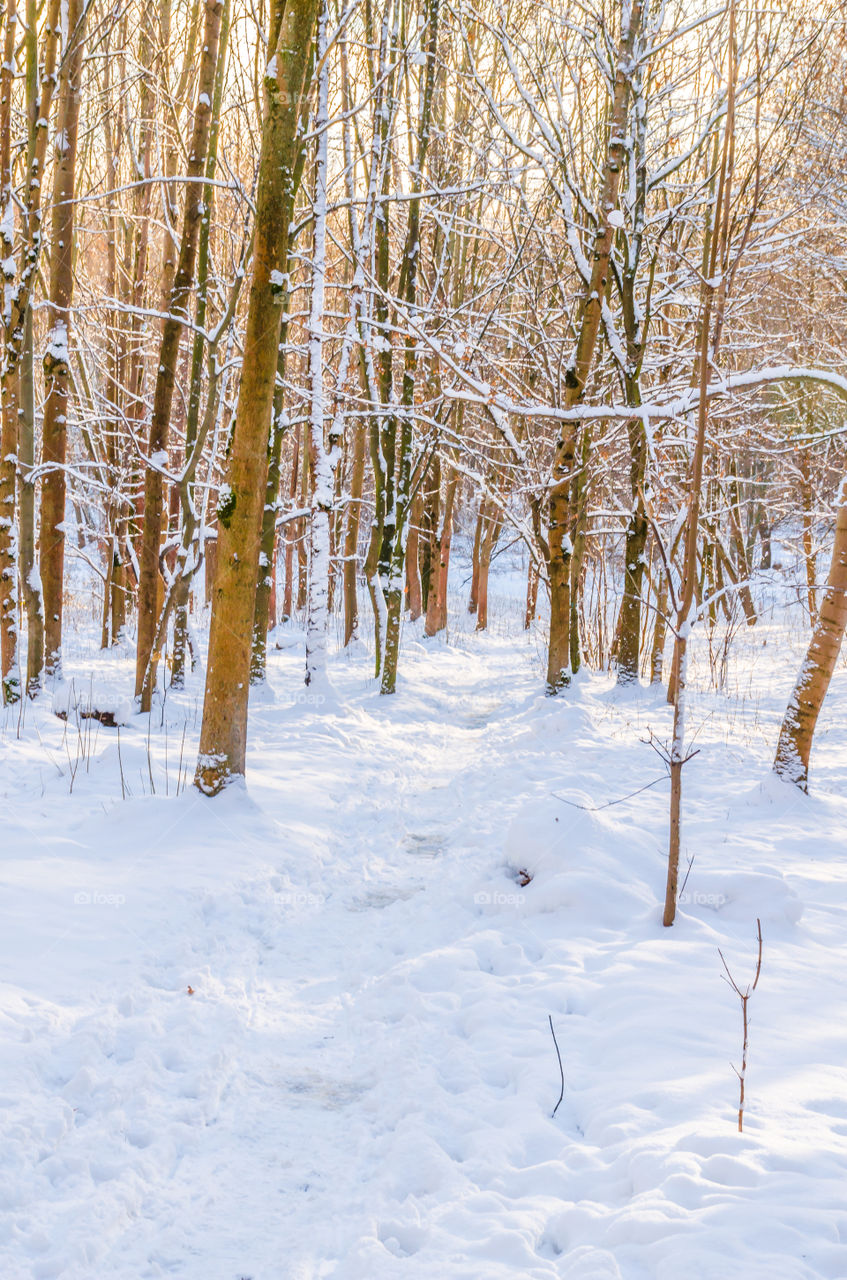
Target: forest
column 423, row 577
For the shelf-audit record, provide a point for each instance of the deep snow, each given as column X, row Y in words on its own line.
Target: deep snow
column 302, row 1031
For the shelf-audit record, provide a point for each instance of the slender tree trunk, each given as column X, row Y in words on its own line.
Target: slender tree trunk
column 393, row 555
column 180, row 294
column 532, row 579
column 413, row 567
column 561, row 505
column 436, row 612
column 660, row 627
column 302, row 526
column 291, row 532
column 741, row 560
column 30, row 581
column 28, row 570
column 636, row 542
column 716, row 246
column 473, row 599
column 56, row 368
column 9, row 427
column 378, row 363
column 487, row 543
column 429, row 554
column 351, row 534
column 808, row 541
column 113, row 592
column 190, row 558
column 267, row 545
column 137, row 260
column 19, row 283
column 317, row 616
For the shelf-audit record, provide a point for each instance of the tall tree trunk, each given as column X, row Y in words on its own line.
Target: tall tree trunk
column 716, row 248
column 177, row 316
column 190, row 556
column 30, row 580
column 56, row 368
column 317, row 615
column 114, row 594
column 130, row 510
column 393, row 556
column 223, row 735
column 561, row 504
column 28, row 571
column 19, row 284
column 9, row 427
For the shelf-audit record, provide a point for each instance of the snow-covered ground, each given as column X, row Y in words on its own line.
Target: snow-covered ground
column 303, row 1031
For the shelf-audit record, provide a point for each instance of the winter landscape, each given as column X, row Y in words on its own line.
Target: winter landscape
column 423, row 578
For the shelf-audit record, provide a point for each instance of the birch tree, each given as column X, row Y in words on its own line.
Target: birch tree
column 804, row 706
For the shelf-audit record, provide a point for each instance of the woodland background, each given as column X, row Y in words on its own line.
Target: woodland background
column 288, row 294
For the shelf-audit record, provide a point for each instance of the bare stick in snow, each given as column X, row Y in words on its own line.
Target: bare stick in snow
column 744, row 997
column 561, row 1068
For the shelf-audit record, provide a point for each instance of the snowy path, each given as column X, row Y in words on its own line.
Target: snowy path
column 360, row 1084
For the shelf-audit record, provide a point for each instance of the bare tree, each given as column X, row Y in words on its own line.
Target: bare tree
column 223, row 737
